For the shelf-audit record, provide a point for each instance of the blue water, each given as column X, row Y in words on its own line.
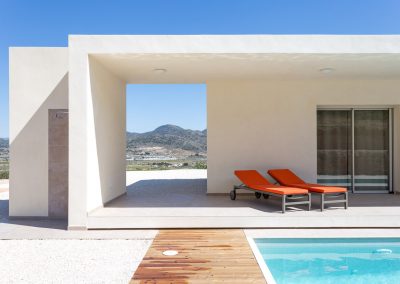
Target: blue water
column 323, row 261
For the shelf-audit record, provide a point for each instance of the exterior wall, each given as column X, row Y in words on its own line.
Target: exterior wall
column 38, row 82
column 272, row 124
column 106, row 136
column 97, row 119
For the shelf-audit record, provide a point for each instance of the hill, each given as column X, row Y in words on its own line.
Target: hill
column 169, row 137
column 3, row 142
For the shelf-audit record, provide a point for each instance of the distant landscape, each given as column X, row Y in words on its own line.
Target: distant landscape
column 166, row 147
column 4, row 158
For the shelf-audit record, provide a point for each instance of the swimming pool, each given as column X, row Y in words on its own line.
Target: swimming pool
column 331, row 260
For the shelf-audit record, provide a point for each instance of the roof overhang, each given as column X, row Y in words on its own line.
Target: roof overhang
column 202, row 58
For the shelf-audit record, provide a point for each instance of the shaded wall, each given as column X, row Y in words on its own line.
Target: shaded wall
column 272, row 124
column 38, row 82
column 106, row 172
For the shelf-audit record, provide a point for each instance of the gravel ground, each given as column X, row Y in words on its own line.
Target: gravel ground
column 70, row 261
column 59, row 256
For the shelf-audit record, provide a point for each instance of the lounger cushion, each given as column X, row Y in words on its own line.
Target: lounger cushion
column 288, row 178
column 282, row 190
column 254, row 180
column 320, row 188
column 285, row 176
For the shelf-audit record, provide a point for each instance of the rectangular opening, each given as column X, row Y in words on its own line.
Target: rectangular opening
column 166, row 145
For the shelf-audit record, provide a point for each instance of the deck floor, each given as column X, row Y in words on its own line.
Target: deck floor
column 205, row 256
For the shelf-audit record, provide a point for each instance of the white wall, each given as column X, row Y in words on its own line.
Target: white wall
column 272, row 124
column 106, row 168
column 38, row 82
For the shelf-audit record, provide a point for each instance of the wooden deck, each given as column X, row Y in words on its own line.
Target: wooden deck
column 205, row 256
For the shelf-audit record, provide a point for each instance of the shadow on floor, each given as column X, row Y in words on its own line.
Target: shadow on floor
column 38, row 222
column 193, row 193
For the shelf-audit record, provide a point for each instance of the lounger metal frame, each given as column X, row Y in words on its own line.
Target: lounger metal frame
column 285, row 198
column 324, row 200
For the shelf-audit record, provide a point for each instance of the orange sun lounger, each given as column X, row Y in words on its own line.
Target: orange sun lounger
column 254, row 181
column 287, row 178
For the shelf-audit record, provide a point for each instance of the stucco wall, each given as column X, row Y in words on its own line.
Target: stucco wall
column 106, row 136
column 272, row 124
column 38, row 82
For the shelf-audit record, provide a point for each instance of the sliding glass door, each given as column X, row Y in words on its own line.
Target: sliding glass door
column 371, row 150
column 354, row 149
column 334, row 147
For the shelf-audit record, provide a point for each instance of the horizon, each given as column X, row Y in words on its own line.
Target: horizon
column 150, row 130
column 48, row 23
column 149, row 106
column 168, row 125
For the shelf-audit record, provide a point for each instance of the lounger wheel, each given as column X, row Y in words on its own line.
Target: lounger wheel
column 257, row 194
column 266, row 196
column 232, row 194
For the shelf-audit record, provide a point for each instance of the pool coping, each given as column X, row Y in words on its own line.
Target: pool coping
column 260, row 260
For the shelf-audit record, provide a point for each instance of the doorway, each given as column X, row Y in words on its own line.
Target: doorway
column 355, row 149
column 58, row 163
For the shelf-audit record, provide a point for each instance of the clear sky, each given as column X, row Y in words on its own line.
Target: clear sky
column 47, row 23
column 149, row 106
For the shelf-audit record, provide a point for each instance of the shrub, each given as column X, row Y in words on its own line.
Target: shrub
column 4, row 174
column 200, row 165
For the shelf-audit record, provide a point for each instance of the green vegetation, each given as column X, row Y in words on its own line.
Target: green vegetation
column 4, row 170
column 161, row 165
column 201, row 165
column 4, row 175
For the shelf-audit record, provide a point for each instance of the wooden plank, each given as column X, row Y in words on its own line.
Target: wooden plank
column 205, row 256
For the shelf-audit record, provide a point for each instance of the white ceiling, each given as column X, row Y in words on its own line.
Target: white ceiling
column 200, row 68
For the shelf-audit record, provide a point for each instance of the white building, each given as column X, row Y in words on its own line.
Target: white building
column 266, row 97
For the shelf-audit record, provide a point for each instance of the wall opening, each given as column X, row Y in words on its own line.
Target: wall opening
column 166, row 143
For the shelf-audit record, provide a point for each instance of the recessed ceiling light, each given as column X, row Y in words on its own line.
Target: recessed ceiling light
column 327, row 70
column 160, row 71
column 170, row 252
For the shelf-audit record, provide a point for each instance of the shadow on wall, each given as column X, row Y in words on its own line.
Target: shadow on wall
column 27, row 160
column 108, row 102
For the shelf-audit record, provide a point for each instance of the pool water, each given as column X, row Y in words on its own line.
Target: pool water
column 322, row 261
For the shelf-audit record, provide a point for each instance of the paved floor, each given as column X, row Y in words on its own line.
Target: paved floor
column 44, row 228
column 167, row 202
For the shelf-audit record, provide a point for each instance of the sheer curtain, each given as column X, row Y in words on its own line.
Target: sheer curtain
column 371, row 150
column 334, row 147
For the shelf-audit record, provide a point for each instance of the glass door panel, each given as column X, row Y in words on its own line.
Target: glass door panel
column 334, row 144
column 371, row 150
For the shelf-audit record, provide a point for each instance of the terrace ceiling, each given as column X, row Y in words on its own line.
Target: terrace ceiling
column 200, row 68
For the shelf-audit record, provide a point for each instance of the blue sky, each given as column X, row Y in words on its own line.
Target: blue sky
column 48, row 23
column 149, row 106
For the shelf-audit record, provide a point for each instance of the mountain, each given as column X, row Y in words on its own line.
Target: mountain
column 3, row 142
column 170, row 137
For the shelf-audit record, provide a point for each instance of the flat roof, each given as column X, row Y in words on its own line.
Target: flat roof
column 236, row 43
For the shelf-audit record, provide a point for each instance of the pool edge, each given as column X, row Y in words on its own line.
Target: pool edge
column 261, row 263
